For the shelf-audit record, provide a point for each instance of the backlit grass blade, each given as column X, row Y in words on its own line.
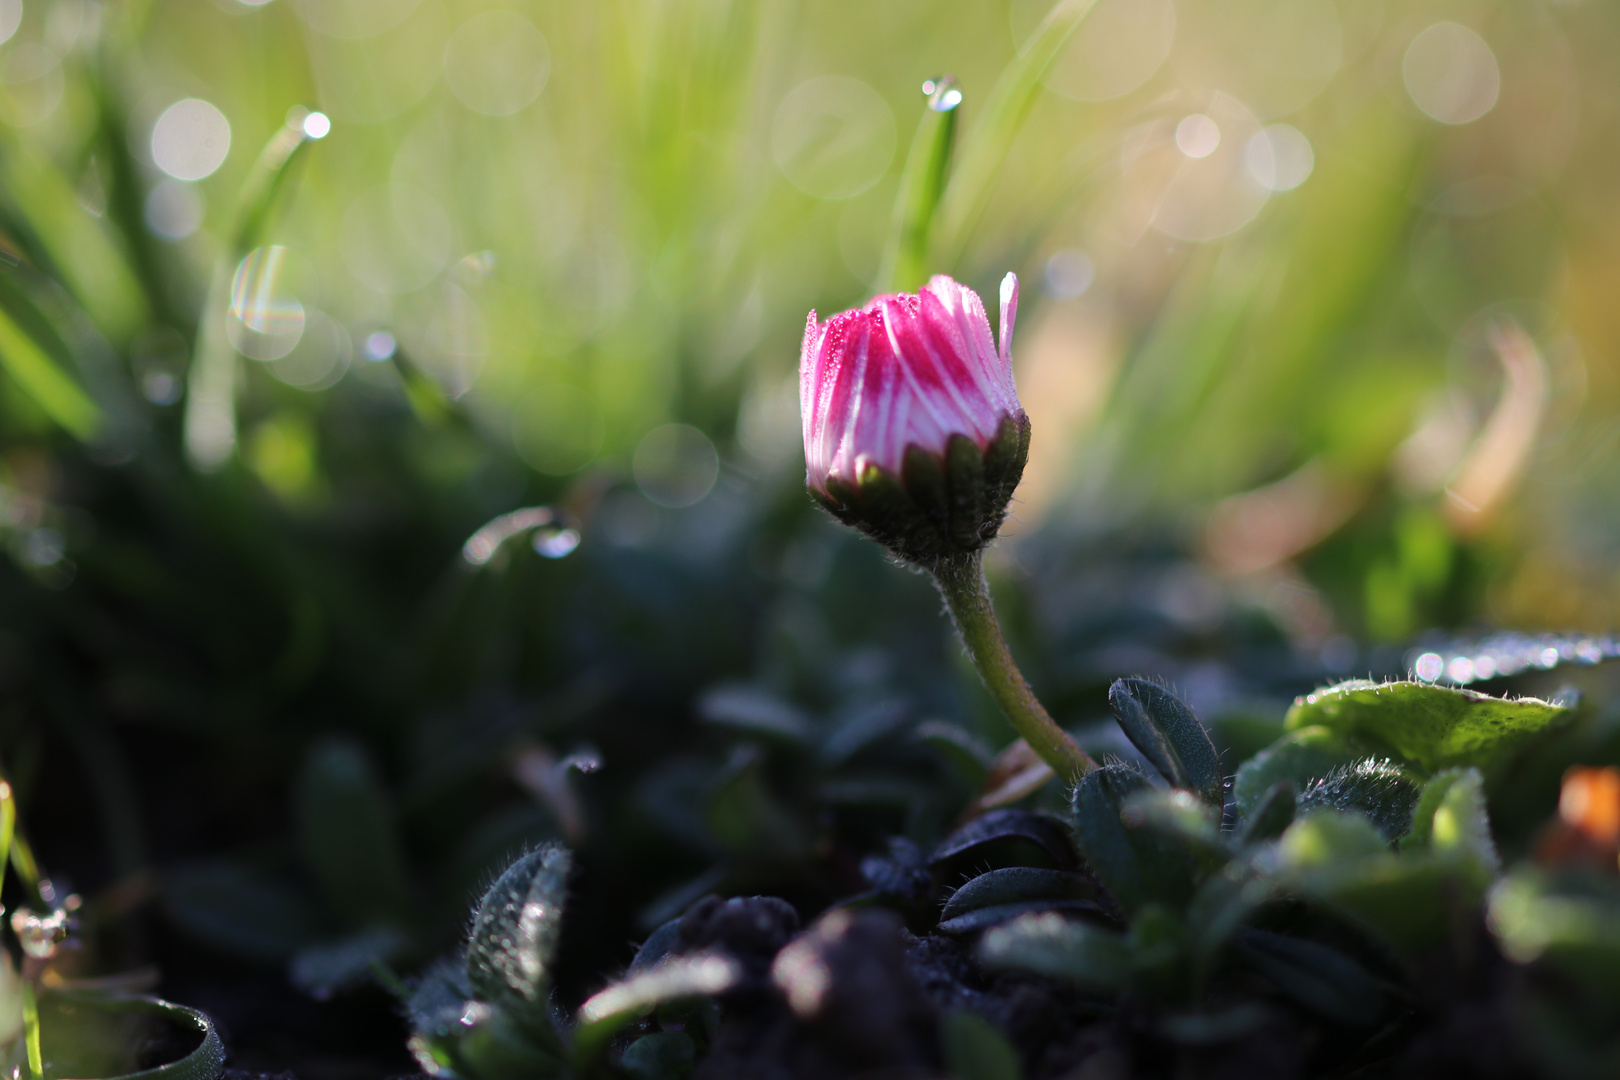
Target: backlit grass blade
column 39, row 376
column 905, row 259
column 984, row 147
column 210, row 421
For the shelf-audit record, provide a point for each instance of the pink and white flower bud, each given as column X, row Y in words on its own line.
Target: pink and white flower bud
column 912, row 428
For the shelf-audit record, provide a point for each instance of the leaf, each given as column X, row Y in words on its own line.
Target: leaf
column 1322, row 979
column 1273, row 814
column 749, row 710
column 1169, row 736
column 1220, row 907
column 745, row 815
column 55, row 392
column 1411, row 900
column 1000, row 895
column 330, row 967
column 1049, row 944
column 1567, row 922
column 240, row 910
column 922, row 182
column 438, row 998
column 663, row 1055
column 1135, row 865
column 490, row 1042
column 1180, row 816
column 1451, row 819
column 974, row 1049
column 1375, row 788
column 348, row 835
column 1298, row 758
column 1004, row 837
column 514, row 932
column 1435, row 727
column 91, row 1034
column 679, row 977
column 967, row 755
column 210, row 417
column 659, row 944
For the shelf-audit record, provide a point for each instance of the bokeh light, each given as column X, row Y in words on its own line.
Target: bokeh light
column 675, row 465
column 496, row 63
column 1451, row 73
column 11, row 13
column 190, row 139
column 833, row 136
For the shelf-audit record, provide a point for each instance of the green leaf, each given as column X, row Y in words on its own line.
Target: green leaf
column 330, row 967
column 1000, row 895
column 905, row 258
column 1569, row 922
column 1135, row 865
column 1046, row 943
column 240, row 910
column 1272, row 815
column 975, row 1049
column 514, row 932
column 984, row 149
column 1180, row 816
column 970, row 757
column 1322, row 979
column 752, row 712
column 41, row 379
column 96, row 1034
column 1377, row 788
column 490, row 1043
column 210, row 417
column 1298, row 758
column 746, row 816
column 663, row 1055
column 1169, row 736
column 1435, row 727
column 1451, row 819
column 678, row 977
column 1220, row 907
column 348, row 835
column 1410, row 900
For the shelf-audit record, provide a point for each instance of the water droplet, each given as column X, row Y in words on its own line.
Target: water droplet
column 41, row 936
column 943, row 93
column 380, row 346
column 555, row 542
column 1429, row 667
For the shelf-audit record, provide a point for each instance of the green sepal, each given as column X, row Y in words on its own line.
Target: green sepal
column 941, row 505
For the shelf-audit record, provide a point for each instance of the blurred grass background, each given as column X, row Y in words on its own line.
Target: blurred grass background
column 586, row 222
column 1317, row 321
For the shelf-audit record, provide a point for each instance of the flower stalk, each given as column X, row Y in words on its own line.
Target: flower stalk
column 967, row 594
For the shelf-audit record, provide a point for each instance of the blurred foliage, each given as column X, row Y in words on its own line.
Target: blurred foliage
column 1317, row 348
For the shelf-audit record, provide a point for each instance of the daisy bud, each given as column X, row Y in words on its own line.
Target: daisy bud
column 912, row 428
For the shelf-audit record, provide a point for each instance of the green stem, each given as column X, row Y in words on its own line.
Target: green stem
column 961, row 582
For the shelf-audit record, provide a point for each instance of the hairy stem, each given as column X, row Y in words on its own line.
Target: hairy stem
column 966, row 593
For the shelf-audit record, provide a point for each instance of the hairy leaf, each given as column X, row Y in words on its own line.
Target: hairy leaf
column 1434, row 727
column 1169, row 735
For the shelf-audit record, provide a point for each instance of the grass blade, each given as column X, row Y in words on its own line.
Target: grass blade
column 210, row 421
column 984, row 148
column 905, row 258
column 27, row 362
